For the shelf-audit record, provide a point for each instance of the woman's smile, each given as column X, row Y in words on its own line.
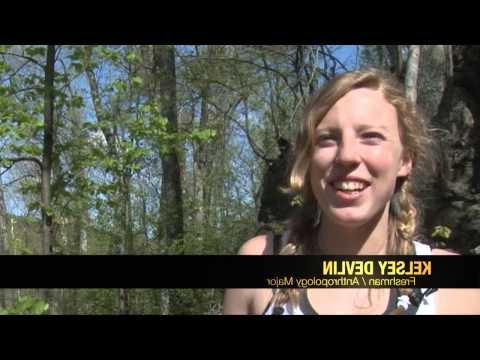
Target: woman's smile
column 344, row 197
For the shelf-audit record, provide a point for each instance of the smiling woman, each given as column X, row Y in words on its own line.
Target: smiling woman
column 361, row 156
column 353, row 173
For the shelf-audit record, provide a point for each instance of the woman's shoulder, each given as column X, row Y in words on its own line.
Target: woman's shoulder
column 436, row 251
column 456, row 301
column 259, row 245
column 250, row 301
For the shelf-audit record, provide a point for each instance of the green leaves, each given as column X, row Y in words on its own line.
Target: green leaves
column 19, row 128
column 137, row 81
column 109, row 54
column 203, row 135
column 18, row 246
column 77, row 102
column 26, row 305
column 35, row 51
column 442, row 231
column 27, row 149
column 4, row 48
column 119, row 85
column 131, row 57
column 4, row 67
column 297, row 201
column 5, row 129
column 77, row 54
column 78, row 67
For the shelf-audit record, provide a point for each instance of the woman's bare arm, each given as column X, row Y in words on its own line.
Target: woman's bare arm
column 240, row 301
column 456, row 301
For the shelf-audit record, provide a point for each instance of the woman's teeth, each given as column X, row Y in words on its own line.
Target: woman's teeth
column 349, row 185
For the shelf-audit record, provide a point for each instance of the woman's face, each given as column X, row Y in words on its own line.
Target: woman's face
column 357, row 158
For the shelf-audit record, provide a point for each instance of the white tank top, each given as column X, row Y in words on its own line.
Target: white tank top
column 426, row 307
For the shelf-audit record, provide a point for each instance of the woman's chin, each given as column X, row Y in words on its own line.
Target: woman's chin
column 349, row 219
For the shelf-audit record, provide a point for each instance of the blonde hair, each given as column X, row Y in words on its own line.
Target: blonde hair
column 404, row 212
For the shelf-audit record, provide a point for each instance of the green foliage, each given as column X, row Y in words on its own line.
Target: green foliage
column 29, row 186
column 77, row 66
column 77, row 53
column 27, row 149
column 297, row 201
column 103, row 157
column 108, row 53
column 77, row 102
column 131, row 57
column 18, row 247
column 137, row 81
column 194, row 301
column 203, row 135
column 119, row 86
column 4, row 67
column 36, row 51
column 26, row 305
column 442, row 231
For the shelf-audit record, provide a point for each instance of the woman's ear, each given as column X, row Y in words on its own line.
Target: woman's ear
column 405, row 166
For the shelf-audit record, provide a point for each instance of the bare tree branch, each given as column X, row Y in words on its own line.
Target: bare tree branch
column 23, row 57
column 15, row 72
column 244, row 61
column 411, row 76
column 255, row 148
column 20, row 159
column 18, row 179
column 326, row 51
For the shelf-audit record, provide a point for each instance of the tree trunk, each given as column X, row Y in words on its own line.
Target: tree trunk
column 126, row 214
column 3, row 223
column 396, row 61
column 143, row 218
column 47, row 159
column 171, row 203
column 3, row 240
column 119, row 242
column 201, row 163
column 48, row 235
column 80, row 245
column 171, row 206
column 411, row 75
column 124, row 301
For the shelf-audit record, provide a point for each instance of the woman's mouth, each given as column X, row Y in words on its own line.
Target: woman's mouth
column 349, row 191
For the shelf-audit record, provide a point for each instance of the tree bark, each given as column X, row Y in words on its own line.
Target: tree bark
column 396, row 61
column 411, row 76
column 3, row 239
column 171, row 202
column 126, row 214
column 171, row 205
column 47, row 159
column 201, row 160
column 3, row 223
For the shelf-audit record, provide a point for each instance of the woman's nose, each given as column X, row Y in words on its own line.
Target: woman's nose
column 347, row 153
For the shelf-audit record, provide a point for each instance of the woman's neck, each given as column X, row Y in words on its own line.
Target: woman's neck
column 368, row 239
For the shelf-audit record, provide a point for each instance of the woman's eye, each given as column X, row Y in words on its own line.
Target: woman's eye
column 373, row 136
column 325, row 140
